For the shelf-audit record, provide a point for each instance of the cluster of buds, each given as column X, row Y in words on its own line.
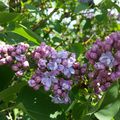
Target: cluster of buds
column 61, row 91
column 80, row 72
column 14, row 55
column 105, row 59
column 57, row 69
column 54, row 72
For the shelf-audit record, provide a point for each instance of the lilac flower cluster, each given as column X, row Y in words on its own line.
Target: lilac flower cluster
column 54, row 72
column 105, row 59
column 14, row 55
column 80, row 71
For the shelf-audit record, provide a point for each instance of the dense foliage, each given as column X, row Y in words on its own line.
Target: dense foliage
column 59, row 60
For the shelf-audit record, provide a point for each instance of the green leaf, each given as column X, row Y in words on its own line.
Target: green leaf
column 6, row 93
column 28, row 34
column 103, row 18
column 2, row 6
column 109, row 111
column 37, row 104
column 61, row 117
column 80, row 111
column 77, row 48
column 87, row 25
column 13, row 38
column 80, row 7
column 111, row 95
column 6, row 75
column 56, row 39
column 6, row 17
column 117, row 116
column 2, row 116
column 109, row 105
column 57, row 26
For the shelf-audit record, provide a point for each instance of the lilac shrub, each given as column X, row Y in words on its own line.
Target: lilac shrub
column 54, row 72
column 104, row 56
column 14, row 55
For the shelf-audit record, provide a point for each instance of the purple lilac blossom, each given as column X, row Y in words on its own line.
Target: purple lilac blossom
column 15, row 56
column 105, row 59
column 55, row 69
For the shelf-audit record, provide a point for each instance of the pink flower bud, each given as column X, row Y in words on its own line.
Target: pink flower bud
column 20, row 58
column 56, row 87
column 19, row 64
column 37, row 79
column 32, row 83
column 9, row 59
column 91, row 75
column 46, row 88
column 76, row 65
column 36, row 55
column 107, row 47
column 93, row 55
column 1, row 49
column 11, row 48
column 26, row 64
column 26, row 46
column 15, row 68
column 19, row 73
column 4, row 50
column 18, row 51
column 13, row 54
column 59, row 91
column 3, row 61
column 36, row 87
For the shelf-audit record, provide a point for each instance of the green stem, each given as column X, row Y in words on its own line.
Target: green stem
column 71, row 106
